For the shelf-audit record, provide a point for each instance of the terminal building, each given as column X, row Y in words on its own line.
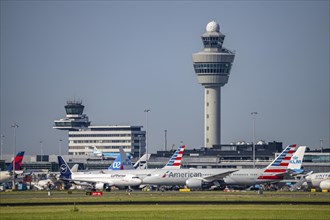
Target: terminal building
column 107, row 139
column 83, row 138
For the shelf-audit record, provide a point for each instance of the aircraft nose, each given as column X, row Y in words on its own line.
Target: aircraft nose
column 308, row 178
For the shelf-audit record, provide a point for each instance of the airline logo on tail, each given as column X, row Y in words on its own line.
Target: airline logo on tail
column 116, row 164
column 295, row 165
column 122, row 162
column 65, row 171
column 279, row 166
column 175, row 161
column 17, row 161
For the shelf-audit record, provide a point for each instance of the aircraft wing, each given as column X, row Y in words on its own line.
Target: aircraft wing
column 219, row 176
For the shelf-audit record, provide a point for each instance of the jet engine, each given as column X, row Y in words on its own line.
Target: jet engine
column 325, row 184
column 100, row 186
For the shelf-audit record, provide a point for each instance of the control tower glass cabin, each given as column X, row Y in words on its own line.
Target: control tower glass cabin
column 75, row 119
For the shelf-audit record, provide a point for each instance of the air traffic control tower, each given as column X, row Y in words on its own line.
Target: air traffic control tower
column 75, row 119
column 212, row 67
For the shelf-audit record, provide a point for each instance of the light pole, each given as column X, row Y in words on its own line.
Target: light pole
column 2, row 138
column 60, row 147
column 165, row 147
column 14, row 126
column 254, row 147
column 321, row 145
column 139, row 136
column 41, row 150
column 146, row 111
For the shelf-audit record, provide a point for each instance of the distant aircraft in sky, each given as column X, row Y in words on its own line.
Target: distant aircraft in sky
column 6, row 176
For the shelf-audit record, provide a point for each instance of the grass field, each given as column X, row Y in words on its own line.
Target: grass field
column 168, row 211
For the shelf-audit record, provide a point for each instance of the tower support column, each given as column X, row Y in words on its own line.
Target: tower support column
column 212, row 114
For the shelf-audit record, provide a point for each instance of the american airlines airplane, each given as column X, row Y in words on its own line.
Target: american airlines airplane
column 275, row 171
column 201, row 178
column 6, row 176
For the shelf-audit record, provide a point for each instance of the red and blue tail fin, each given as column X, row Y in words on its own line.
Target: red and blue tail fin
column 17, row 161
column 175, row 161
column 279, row 166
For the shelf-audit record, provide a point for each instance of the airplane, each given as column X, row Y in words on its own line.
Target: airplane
column 43, row 184
column 98, row 181
column 314, row 180
column 274, row 172
column 6, row 176
column 113, row 155
column 201, row 178
column 174, row 162
column 142, row 162
column 319, row 180
column 294, row 170
column 118, row 164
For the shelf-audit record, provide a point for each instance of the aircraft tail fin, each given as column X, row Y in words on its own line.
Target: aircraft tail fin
column 122, row 162
column 96, row 152
column 75, row 168
column 296, row 161
column 141, row 163
column 65, row 172
column 17, row 161
column 116, row 164
column 279, row 166
column 175, row 161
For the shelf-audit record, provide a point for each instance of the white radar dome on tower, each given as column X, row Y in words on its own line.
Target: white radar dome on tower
column 212, row 27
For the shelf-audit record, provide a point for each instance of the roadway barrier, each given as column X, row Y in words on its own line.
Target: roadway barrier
column 94, row 193
column 184, row 190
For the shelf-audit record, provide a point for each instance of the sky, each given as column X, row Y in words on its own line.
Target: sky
column 122, row 57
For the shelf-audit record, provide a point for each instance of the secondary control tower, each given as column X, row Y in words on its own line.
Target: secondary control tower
column 75, row 119
column 212, row 67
